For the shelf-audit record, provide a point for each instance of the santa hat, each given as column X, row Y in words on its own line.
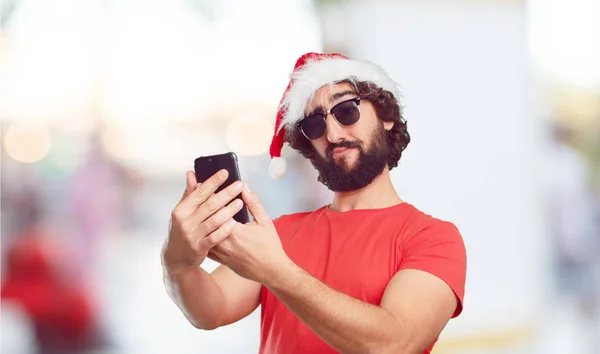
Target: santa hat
column 311, row 72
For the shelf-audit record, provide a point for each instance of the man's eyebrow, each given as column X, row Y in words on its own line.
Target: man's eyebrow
column 336, row 96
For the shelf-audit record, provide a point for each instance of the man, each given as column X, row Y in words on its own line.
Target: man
column 367, row 273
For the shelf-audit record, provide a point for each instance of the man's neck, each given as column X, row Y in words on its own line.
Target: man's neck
column 378, row 194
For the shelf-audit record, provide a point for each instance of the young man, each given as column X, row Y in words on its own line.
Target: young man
column 368, row 273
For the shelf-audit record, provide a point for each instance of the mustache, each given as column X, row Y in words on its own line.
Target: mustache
column 342, row 144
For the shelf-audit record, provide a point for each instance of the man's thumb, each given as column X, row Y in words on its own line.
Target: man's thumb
column 190, row 183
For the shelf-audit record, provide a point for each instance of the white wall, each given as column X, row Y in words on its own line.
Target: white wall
column 463, row 69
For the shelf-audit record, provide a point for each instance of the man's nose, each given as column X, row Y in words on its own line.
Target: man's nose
column 335, row 131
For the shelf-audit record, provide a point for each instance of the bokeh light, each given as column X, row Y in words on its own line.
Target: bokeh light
column 27, row 143
column 249, row 136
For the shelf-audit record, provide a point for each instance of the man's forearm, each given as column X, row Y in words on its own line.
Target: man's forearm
column 196, row 293
column 348, row 325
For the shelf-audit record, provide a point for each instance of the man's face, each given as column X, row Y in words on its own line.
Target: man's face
column 348, row 157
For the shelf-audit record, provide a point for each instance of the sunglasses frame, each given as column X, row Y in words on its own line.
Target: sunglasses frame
column 356, row 100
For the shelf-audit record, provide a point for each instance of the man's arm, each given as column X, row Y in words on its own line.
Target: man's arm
column 213, row 300
column 199, row 222
column 415, row 308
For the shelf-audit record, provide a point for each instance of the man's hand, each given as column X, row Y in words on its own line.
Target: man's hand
column 200, row 220
column 253, row 250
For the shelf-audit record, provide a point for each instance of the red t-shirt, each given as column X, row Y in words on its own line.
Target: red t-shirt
column 358, row 252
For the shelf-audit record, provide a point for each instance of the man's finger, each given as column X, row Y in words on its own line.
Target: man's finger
column 214, row 257
column 208, row 223
column 217, row 201
column 220, row 234
column 255, row 207
column 190, row 179
column 203, row 191
column 219, row 256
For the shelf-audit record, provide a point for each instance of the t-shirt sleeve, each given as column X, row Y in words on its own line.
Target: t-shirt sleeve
column 437, row 249
column 281, row 224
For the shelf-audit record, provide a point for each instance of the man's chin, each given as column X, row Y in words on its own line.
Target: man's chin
column 347, row 163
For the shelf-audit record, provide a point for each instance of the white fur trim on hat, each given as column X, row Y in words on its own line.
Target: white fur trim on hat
column 277, row 167
column 318, row 73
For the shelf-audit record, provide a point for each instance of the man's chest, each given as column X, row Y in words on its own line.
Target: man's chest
column 359, row 263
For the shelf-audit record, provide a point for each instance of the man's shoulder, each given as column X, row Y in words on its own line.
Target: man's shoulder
column 421, row 222
column 295, row 218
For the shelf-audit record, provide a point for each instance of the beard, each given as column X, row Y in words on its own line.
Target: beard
column 338, row 176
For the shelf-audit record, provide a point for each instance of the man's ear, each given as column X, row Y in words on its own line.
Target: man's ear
column 388, row 125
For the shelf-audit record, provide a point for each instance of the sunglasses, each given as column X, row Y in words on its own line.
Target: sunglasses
column 345, row 113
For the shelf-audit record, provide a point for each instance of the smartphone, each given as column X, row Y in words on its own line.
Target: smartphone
column 206, row 166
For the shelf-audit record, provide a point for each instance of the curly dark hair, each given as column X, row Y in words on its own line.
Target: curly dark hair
column 387, row 109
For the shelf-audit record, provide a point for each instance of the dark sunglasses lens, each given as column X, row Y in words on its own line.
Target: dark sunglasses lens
column 313, row 126
column 346, row 113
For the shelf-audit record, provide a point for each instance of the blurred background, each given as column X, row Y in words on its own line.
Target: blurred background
column 105, row 105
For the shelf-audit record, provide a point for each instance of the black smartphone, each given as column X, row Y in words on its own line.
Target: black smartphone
column 206, row 166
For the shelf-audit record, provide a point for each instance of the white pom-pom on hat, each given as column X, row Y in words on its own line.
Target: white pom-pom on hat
column 277, row 167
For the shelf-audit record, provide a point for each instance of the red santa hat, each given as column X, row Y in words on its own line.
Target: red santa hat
column 311, row 72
